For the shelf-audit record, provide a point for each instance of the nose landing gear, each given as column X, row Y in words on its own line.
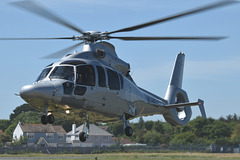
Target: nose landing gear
column 47, row 118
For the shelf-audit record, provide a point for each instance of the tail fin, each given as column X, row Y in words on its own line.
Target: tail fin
column 175, row 84
column 175, row 94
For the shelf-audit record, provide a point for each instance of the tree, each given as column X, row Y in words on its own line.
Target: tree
column 116, row 128
column 218, row 130
column 149, row 125
column 152, row 138
column 20, row 141
column 230, row 118
column 21, row 109
column 236, row 131
column 158, row 126
column 4, row 137
column 235, row 137
column 4, row 123
column 186, row 138
column 25, row 117
column 141, row 122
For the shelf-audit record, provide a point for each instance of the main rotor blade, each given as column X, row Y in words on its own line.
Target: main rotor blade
column 61, row 53
column 39, row 10
column 208, row 7
column 166, row 38
column 36, row 38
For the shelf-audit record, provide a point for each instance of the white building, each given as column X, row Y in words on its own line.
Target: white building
column 97, row 137
column 41, row 135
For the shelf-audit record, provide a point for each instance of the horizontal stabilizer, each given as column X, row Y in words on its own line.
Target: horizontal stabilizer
column 189, row 104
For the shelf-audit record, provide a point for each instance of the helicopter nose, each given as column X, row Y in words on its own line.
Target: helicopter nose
column 38, row 90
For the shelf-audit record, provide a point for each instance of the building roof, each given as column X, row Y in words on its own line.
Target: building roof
column 41, row 140
column 106, row 128
column 94, row 130
column 40, row 128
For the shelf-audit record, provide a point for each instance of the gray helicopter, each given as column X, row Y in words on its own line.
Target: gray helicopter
column 95, row 85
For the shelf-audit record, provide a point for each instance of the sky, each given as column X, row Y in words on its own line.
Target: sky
column 212, row 68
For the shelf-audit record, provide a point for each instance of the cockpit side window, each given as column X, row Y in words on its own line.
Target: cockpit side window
column 86, row 75
column 63, row 72
column 113, row 80
column 101, row 77
column 44, row 74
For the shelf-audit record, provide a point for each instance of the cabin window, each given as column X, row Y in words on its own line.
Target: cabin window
column 62, row 72
column 113, row 80
column 79, row 90
column 101, row 77
column 43, row 74
column 86, row 75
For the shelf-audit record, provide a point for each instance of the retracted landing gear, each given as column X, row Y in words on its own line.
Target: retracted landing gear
column 84, row 135
column 128, row 130
column 47, row 118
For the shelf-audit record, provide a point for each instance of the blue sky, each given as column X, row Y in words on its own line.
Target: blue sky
column 212, row 68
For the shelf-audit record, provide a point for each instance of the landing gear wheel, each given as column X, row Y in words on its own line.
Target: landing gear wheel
column 82, row 136
column 44, row 119
column 128, row 131
column 50, row 119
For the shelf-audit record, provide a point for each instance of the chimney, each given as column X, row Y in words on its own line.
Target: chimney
column 73, row 128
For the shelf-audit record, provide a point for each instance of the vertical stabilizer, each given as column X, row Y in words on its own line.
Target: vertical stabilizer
column 177, row 73
column 175, row 94
column 175, row 84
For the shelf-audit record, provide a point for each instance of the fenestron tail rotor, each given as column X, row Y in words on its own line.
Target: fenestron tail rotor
column 94, row 36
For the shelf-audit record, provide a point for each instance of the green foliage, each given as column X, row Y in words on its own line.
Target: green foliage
column 158, row 126
column 4, row 137
column 209, row 129
column 231, row 118
column 155, row 138
column 198, row 131
column 141, row 122
column 222, row 141
column 30, row 117
column 20, row 141
column 187, row 138
column 235, row 137
column 149, row 125
column 21, row 109
column 116, row 128
column 4, row 123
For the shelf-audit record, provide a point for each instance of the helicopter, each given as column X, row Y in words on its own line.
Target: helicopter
column 95, row 85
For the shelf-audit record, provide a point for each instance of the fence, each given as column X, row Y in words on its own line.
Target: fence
column 151, row 149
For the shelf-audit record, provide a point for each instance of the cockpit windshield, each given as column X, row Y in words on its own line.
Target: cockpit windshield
column 63, row 72
column 43, row 74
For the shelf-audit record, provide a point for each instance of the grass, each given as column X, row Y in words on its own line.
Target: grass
column 131, row 156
